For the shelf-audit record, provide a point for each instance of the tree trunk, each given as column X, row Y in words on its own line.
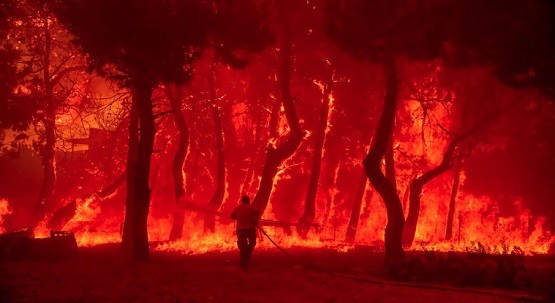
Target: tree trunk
column 355, row 212
column 390, row 162
column 328, row 180
column 247, row 183
column 394, row 253
column 320, row 135
column 453, row 200
column 48, row 151
column 218, row 197
column 406, row 194
column 48, row 155
column 141, row 187
column 275, row 156
column 417, row 185
column 175, row 95
column 133, row 143
column 197, row 146
column 274, row 119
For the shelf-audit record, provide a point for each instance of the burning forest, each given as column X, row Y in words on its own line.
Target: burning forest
column 391, row 127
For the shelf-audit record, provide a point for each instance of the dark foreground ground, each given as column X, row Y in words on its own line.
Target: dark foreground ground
column 98, row 275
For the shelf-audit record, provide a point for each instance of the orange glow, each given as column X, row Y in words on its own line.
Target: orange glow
column 4, row 212
column 491, row 233
column 478, row 224
column 419, row 145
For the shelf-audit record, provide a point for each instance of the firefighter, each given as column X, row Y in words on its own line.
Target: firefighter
column 247, row 218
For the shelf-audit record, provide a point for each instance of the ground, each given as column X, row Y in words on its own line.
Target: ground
column 99, row 275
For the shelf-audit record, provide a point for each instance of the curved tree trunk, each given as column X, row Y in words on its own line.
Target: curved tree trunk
column 274, row 119
column 406, row 194
column 453, row 200
column 355, row 212
column 394, row 252
column 390, row 162
column 218, row 197
column 320, row 135
column 275, row 156
column 175, row 95
column 141, row 188
column 417, row 185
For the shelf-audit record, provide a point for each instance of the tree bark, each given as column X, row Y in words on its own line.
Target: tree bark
column 218, row 197
column 133, row 143
column 417, row 186
column 175, row 95
column 274, row 119
column 48, row 151
column 48, row 156
column 320, row 135
column 141, row 187
column 275, row 156
column 355, row 212
column 453, row 200
column 394, row 253
column 390, row 162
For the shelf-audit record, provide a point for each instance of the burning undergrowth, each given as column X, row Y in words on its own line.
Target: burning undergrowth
column 477, row 234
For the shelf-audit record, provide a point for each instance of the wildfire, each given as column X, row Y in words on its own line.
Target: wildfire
column 476, row 232
column 4, row 212
column 479, row 225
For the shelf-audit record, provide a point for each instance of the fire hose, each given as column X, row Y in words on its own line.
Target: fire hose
column 295, row 260
column 396, row 284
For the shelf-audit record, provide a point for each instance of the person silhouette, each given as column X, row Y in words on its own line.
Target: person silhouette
column 247, row 218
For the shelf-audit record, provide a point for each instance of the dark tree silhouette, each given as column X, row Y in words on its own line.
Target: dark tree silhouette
column 347, row 22
column 237, row 30
column 417, row 185
column 175, row 96
column 498, row 37
column 355, row 211
column 320, row 133
column 276, row 155
column 139, row 44
column 14, row 114
column 453, row 199
column 218, row 197
column 46, row 61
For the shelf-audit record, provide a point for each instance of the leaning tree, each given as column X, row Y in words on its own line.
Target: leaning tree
column 378, row 31
column 510, row 39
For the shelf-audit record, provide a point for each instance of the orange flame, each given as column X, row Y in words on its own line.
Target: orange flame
column 5, row 210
